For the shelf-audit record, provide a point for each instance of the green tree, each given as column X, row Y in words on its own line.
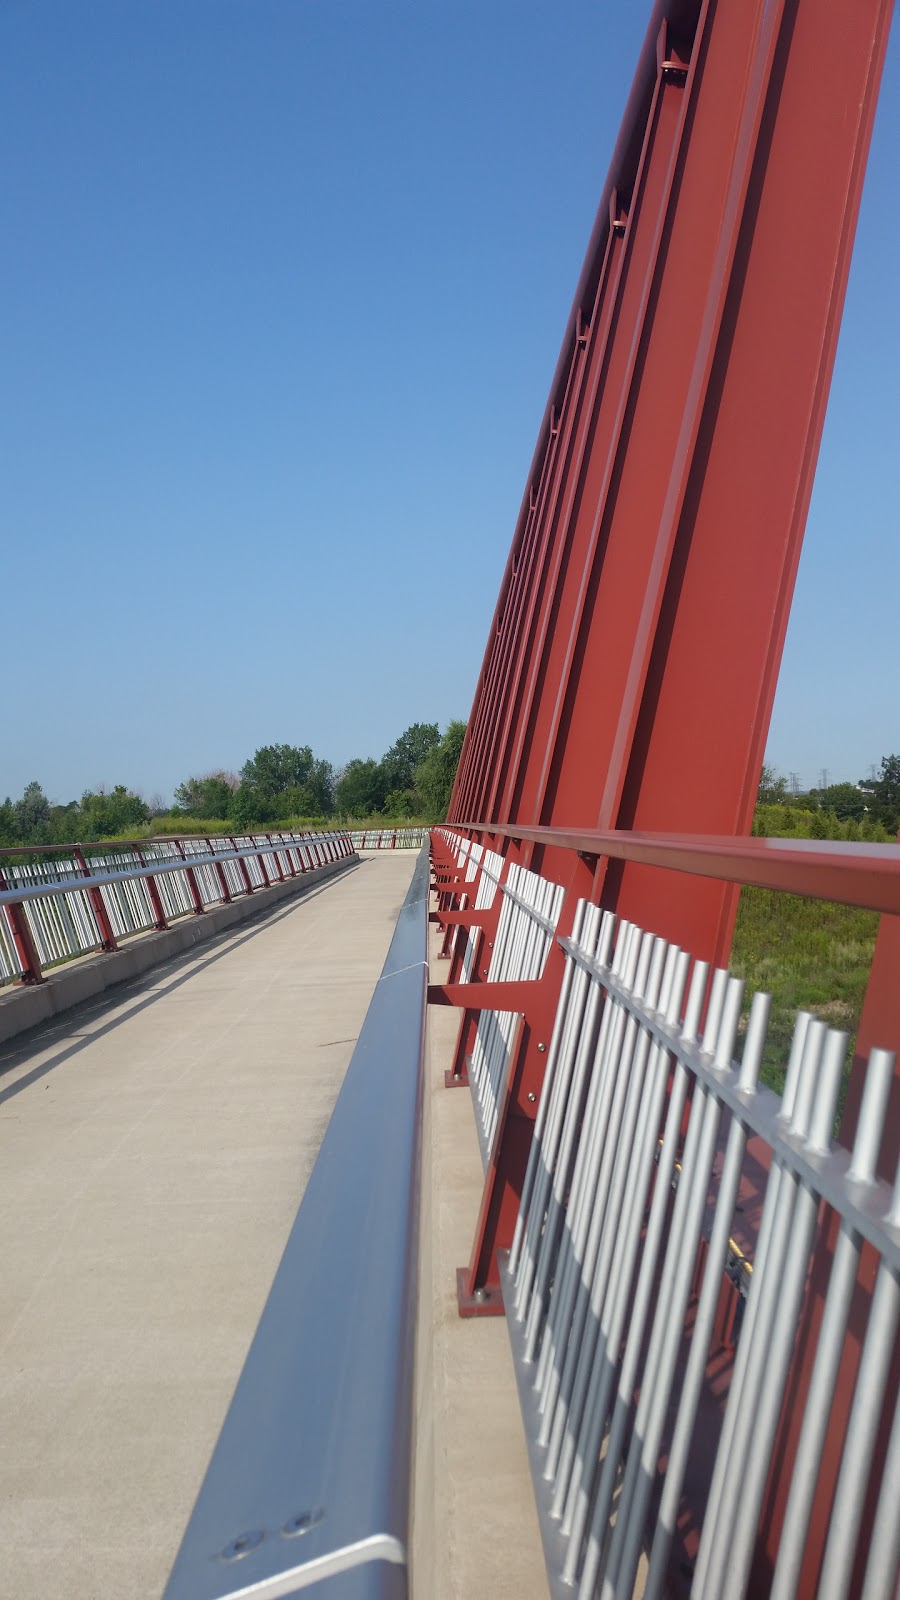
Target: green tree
column 209, row 796
column 401, row 803
column 402, row 761
column 7, row 822
column 251, row 809
column 360, row 790
column 32, row 816
column 772, row 786
column 277, row 768
column 435, row 775
column 117, row 811
column 885, row 793
column 844, row 799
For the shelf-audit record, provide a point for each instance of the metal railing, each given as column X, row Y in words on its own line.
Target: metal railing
column 68, row 901
column 622, row 1280
column 388, row 838
column 310, row 1478
column 529, row 913
column 601, row 1277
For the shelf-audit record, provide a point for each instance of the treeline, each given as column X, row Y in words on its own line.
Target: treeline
column 280, row 783
column 414, row 778
column 869, row 809
column 33, row 820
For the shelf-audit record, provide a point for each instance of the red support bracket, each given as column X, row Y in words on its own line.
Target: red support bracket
column 23, row 939
column 98, row 905
column 156, row 905
column 193, row 885
column 274, row 857
column 468, row 918
column 220, row 873
column 510, row 996
column 243, row 868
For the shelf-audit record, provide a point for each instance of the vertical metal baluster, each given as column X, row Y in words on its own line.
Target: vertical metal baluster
column 551, row 1106
column 592, row 1199
column 862, row 1428
column 883, row 1566
column 571, row 1246
column 748, row 1080
column 766, row 1287
column 745, row 1345
column 829, row 1349
column 644, row 1293
column 668, row 1330
column 614, row 1268
column 551, row 1146
column 568, row 1454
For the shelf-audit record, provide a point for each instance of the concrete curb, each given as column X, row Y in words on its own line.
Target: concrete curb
column 28, row 1005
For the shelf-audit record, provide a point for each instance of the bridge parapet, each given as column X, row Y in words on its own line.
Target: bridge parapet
column 310, row 1478
column 57, row 902
column 702, row 1287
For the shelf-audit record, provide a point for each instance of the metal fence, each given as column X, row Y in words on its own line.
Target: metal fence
column 310, row 1478
column 642, row 1287
column 60, row 903
column 529, row 912
column 388, row 838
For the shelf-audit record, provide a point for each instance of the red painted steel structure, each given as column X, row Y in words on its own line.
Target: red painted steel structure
column 627, row 685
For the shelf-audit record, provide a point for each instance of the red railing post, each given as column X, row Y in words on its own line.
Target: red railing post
column 98, row 905
column 191, row 876
column 242, row 865
column 274, row 857
column 23, row 939
column 220, row 873
column 157, row 907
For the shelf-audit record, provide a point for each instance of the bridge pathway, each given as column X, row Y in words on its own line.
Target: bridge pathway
column 154, row 1147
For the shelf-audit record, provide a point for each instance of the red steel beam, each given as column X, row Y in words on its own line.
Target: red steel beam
column 630, row 671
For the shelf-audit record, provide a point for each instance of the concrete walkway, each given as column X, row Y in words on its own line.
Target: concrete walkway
column 154, row 1148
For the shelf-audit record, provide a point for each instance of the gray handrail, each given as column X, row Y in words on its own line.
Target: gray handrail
column 310, row 1477
column 42, row 889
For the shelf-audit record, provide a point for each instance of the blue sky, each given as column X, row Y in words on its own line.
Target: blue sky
column 281, row 293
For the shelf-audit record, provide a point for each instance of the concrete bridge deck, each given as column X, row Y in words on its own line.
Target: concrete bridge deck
column 154, row 1147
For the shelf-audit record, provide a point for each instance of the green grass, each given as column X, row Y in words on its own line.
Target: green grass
column 217, row 826
column 810, row 955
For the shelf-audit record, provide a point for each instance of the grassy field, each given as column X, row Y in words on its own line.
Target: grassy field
column 809, row 955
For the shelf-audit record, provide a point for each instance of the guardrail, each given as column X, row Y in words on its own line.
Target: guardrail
column 388, row 838
column 310, row 1477
column 602, row 1272
column 692, row 1342
column 68, row 901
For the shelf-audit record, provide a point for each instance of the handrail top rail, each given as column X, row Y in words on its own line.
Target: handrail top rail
column 98, row 880
column 317, row 1439
column 168, row 838
column 863, row 874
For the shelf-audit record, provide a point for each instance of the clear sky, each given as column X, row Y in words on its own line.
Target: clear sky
column 282, row 288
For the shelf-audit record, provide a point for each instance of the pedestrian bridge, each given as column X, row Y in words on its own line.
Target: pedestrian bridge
column 237, row 1343
column 155, row 1145
column 700, row 1277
